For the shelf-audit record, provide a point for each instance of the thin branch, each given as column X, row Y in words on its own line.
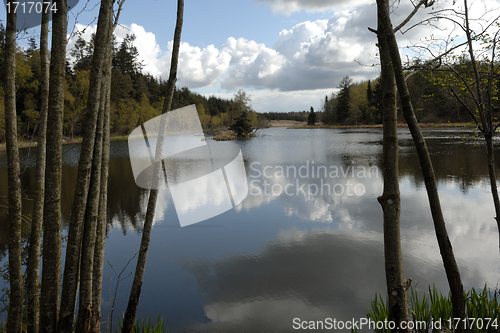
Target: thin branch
column 468, row 109
column 409, row 17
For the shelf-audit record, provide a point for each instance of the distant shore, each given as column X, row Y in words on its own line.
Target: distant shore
column 303, row 125
column 291, row 124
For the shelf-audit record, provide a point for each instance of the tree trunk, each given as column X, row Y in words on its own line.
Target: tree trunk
column 89, row 234
column 33, row 265
column 135, row 293
column 73, row 251
column 450, row 265
column 491, row 171
column 51, row 273
column 390, row 200
column 14, row 319
column 103, row 200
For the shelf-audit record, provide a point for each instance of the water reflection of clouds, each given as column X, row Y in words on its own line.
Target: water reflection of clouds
column 311, row 198
column 334, row 271
column 316, row 274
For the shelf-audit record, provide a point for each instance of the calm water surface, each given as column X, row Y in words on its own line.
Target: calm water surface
column 307, row 241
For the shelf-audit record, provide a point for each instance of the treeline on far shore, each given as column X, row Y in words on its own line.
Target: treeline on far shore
column 135, row 96
column 359, row 103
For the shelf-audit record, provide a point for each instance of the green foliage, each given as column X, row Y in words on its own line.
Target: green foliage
column 242, row 126
column 311, row 119
column 344, row 100
column 147, row 326
column 483, row 305
column 293, row 115
column 378, row 310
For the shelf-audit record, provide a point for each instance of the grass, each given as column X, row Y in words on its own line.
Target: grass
column 482, row 306
column 147, row 326
column 225, row 135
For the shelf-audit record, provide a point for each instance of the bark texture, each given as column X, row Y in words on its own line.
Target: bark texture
column 14, row 318
column 51, row 273
column 397, row 285
column 89, row 234
column 135, row 293
column 103, row 202
column 32, row 268
column 446, row 250
column 73, row 251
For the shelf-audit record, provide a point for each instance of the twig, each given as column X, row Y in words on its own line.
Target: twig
column 116, row 287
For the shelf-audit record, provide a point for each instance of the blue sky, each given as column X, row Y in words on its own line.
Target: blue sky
column 287, row 54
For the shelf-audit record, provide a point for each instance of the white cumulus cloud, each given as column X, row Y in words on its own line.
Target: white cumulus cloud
column 311, row 55
column 197, row 67
column 290, row 6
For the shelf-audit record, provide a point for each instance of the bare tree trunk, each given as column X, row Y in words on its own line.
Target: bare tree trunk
column 397, row 285
column 33, row 265
column 103, row 200
column 135, row 293
column 89, row 234
column 51, row 273
column 73, row 251
column 485, row 113
column 491, row 171
column 450, row 265
column 14, row 319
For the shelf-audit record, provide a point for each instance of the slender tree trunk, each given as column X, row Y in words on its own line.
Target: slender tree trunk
column 103, row 200
column 14, row 319
column 450, row 265
column 397, row 285
column 73, row 251
column 89, row 234
column 491, row 171
column 485, row 113
column 32, row 267
column 135, row 293
column 51, row 273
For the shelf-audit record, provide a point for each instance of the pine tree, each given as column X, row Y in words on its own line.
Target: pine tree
column 344, row 98
column 311, row 119
column 242, row 126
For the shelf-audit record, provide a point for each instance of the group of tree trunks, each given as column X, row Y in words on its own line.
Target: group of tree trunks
column 50, row 308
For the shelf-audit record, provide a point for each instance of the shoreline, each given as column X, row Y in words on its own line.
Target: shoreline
column 33, row 144
column 274, row 123
column 422, row 125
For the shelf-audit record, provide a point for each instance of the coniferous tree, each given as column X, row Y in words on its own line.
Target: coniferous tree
column 242, row 126
column 311, row 119
column 343, row 107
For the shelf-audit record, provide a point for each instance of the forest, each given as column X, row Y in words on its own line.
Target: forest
column 135, row 96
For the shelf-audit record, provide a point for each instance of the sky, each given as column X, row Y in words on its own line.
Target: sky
column 287, row 54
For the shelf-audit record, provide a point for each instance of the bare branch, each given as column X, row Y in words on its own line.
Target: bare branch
column 402, row 24
column 468, row 109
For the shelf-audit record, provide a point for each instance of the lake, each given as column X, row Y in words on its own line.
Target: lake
column 307, row 242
